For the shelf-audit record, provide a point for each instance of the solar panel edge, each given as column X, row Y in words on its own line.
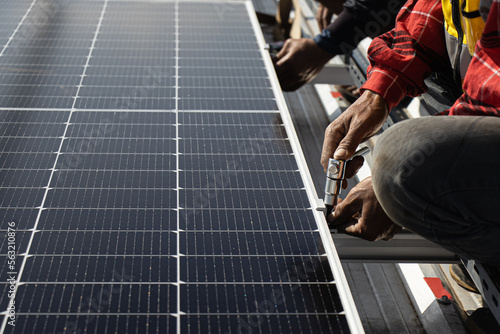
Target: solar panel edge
column 352, row 315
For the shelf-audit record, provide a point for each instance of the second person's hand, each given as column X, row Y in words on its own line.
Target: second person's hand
column 323, row 16
column 325, row 12
column 298, row 62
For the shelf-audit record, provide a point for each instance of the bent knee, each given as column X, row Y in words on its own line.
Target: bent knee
column 410, row 155
column 404, row 167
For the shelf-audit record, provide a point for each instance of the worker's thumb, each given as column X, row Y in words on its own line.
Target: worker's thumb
column 347, row 146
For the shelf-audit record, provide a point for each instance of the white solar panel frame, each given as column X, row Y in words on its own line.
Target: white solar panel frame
column 333, row 258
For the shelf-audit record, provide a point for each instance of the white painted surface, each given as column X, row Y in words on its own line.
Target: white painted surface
column 364, row 172
column 420, row 290
column 330, row 104
column 416, row 108
column 428, row 309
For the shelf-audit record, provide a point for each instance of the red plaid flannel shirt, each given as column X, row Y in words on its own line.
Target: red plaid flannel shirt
column 401, row 58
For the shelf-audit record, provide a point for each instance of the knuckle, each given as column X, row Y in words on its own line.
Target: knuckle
column 358, row 229
column 331, row 129
column 366, row 232
column 348, row 139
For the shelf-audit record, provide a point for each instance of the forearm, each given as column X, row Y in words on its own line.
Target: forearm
column 339, row 36
column 402, row 58
column 358, row 20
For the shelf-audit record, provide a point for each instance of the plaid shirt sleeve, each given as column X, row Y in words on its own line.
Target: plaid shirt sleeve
column 402, row 58
column 482, row 80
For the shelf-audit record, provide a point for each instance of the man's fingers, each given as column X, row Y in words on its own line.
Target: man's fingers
column 288, row 65
column 319, row 16
column 345, row 210
column 322, row 18
column 347, row 147
column 361, row 215
column 345, row 227
column 286, row 76
column 327, row 18
column 360, row 121
column 284, row 49
column 333, row 137
column 325, row 13
column 282, row 63
column 325, row 22
column 355, row 227
column 282, row 68
column 359, row 230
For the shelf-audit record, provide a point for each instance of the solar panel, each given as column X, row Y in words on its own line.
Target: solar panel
column 152, row 176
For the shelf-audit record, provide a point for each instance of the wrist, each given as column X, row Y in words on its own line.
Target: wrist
column 327, row 43
column 388, row 85
column 375, row 99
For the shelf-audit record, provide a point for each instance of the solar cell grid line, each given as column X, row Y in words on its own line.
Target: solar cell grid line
column 134, row 64
column 35, row 71
column 178, row 200
column 177, row 174
column 15, row 286
column 6, row 44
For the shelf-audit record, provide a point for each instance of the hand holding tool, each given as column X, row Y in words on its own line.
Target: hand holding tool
column 335, row 174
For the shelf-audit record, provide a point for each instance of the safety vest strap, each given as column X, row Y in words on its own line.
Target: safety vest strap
column 463, row 26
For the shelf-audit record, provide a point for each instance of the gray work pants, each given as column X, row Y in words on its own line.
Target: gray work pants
column 440, row 178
